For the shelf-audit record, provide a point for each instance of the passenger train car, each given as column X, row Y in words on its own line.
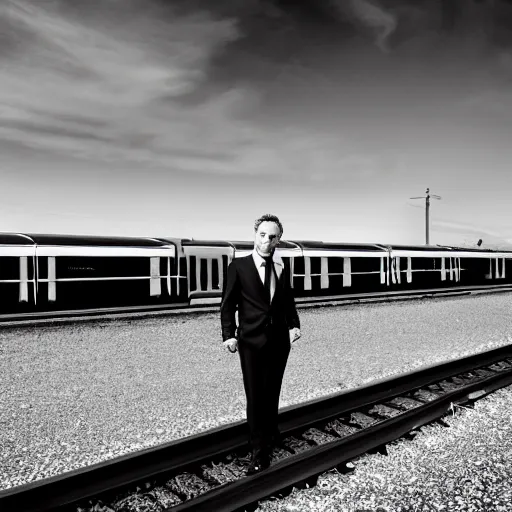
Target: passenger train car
column 61, row 272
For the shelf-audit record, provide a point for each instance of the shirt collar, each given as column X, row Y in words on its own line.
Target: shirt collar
column 258, row 260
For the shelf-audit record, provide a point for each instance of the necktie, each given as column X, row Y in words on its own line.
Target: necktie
column 268, row 275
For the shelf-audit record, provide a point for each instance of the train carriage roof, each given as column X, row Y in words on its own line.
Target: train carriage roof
column 474, row 249
column 205, row 243
column 335, row 246
column 95, row 241
column 15, row 239
column 448, row 248
column 418, row 248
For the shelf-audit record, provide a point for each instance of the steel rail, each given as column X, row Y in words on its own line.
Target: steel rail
column 297, row 468
column 111, row 476
column 148, row 311
column 56, row 492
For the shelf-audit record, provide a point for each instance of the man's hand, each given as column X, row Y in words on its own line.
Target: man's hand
column 294, row 334
column 232, row 343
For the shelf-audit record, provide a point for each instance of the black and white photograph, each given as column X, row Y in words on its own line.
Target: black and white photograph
column 255, row 255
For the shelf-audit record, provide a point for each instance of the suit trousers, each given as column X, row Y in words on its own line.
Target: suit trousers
column 263, row 370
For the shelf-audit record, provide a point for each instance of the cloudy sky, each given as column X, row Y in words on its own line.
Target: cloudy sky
column 182, row 118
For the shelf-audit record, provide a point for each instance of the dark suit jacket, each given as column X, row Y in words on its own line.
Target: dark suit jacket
column 257, row 318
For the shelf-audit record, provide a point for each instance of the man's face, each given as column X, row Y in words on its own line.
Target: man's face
column 266, row 238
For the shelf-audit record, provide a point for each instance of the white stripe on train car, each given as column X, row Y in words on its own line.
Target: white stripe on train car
column 209, row 276
column 503, row 269
column 178, row 274
column 443, row 269
column 382, row 273
column 36, row 259
column 388, row 268
column 81, row 250
column 347, row 272
column 198, row 273
column 220, row 272
column 333, row 253
column 35, row 287
column 409, row 269
column 489, row 275
column 307, row 273
column 23, row 279
column 94, row 279
column 16, row 250
column 155, row 286
column 324, row 273
column 52, row 288
column 444, row 254
column 188, row 275
column 168, row 276
column 208, row 251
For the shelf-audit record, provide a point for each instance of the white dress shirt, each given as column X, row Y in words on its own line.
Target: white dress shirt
column 260, row 267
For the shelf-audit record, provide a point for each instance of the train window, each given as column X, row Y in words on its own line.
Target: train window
column 203, row 273
column 365, row 265
column 336, row 265
column 42, row 267
column 192, row 282
column 215, row 273
column 315, row 265
column 79, row 267
column 181, row 279
column 9, row 268
column 423, row 264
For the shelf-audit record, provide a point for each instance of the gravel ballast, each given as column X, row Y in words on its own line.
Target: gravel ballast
column 465, row 467
column 73, row 395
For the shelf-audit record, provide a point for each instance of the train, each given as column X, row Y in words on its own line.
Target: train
column 45, row 273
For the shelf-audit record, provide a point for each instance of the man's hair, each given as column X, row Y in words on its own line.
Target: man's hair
column 268, row 217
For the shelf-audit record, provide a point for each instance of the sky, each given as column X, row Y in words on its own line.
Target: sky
column 191, row 118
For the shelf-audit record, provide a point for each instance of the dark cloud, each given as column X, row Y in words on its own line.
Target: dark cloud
column 245, row 87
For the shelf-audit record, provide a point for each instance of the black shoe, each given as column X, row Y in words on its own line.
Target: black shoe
column 260, row 460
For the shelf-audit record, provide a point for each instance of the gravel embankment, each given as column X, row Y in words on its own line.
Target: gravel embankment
column 462, row 468
column 75, row 395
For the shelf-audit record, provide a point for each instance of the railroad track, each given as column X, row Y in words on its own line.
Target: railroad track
column 206, row 472
column 71, row 316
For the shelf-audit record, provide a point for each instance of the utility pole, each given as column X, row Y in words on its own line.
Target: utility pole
column 427, row 208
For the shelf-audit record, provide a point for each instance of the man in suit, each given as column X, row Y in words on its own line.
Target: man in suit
column 259, row 286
